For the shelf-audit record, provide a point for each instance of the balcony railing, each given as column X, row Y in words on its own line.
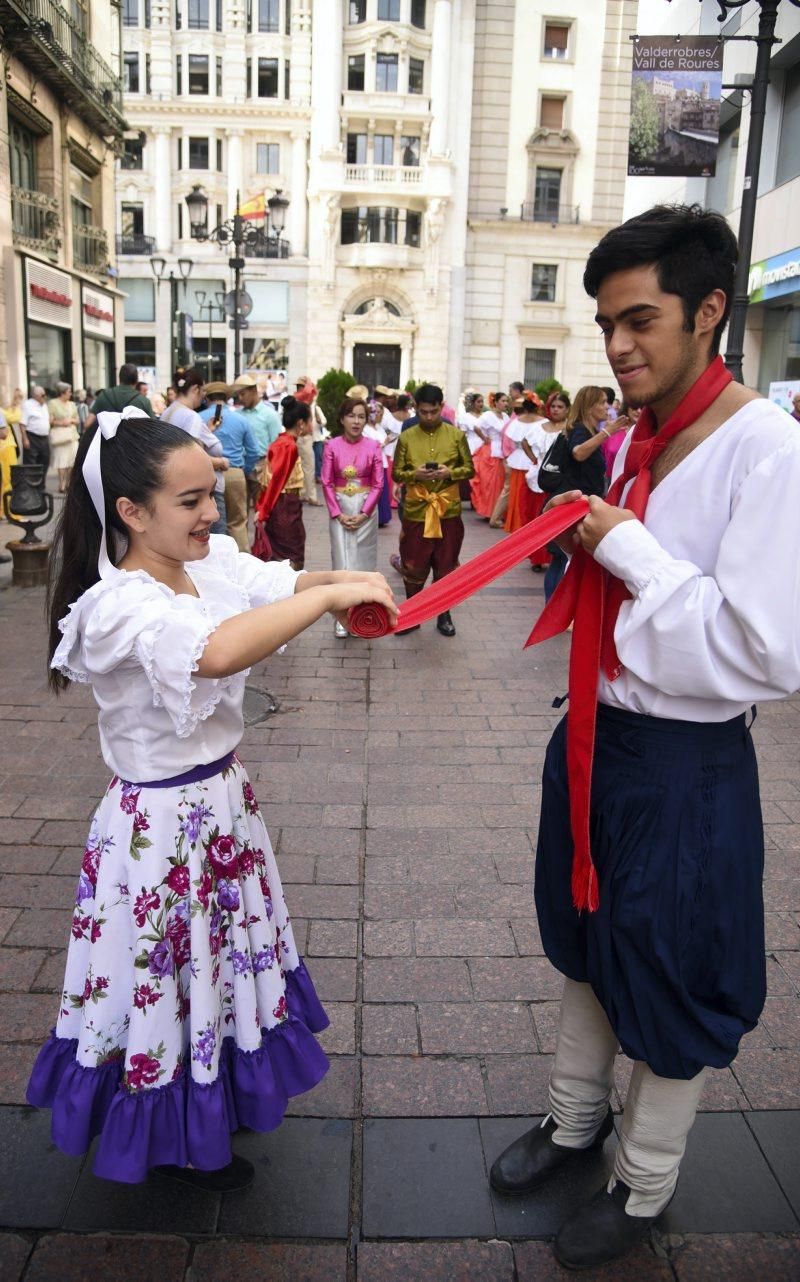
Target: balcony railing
column 536, row 212
column 136, row 243
column 54, row 46
column 270, row 248
column 375, row 175
column 35, row 221
column 89, row 248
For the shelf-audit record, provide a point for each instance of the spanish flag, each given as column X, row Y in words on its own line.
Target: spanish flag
column 255, row 208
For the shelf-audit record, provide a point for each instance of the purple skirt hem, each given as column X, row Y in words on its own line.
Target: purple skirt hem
column 184, row 1121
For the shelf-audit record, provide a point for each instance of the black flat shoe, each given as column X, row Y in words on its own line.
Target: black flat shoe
column 238, row 1174
column 533, row 1158
column 601, row 1231
column 445, row 625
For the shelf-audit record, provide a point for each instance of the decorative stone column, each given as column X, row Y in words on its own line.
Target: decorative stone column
column 440, row 76
column 326, row 74
column 162, row 202
column 298, row 209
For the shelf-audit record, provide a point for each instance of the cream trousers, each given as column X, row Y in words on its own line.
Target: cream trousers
column 659, row 1111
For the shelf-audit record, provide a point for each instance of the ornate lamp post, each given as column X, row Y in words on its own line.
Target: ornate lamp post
column 241, row 234
column 158, row 267
column 210, row 307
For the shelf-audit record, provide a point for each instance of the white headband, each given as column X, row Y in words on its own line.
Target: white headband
column 107, row 423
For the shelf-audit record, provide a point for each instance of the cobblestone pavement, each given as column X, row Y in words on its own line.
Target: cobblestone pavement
column 398, row 781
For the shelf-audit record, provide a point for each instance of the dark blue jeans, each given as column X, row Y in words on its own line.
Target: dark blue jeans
column 319, row 446
column 555, row 570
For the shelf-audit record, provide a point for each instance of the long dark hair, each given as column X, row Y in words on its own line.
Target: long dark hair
column 294, row 412
column 131, row 466
column 347, row 406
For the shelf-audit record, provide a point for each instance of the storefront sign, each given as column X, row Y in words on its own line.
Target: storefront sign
column 98, row 313
column 783, row 394
column 675, row 99
column 775, row 276
column 49, row 294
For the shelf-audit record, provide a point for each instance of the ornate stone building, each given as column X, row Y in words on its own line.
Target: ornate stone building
column 449, row 163
column 60, row 126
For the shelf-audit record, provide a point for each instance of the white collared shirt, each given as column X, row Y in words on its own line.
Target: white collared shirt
column 35, row 417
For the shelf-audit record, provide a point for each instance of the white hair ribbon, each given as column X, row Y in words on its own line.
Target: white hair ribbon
column 107, row 423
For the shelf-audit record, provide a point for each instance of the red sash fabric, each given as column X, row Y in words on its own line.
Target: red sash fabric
column 591, row 599
column 281, row 456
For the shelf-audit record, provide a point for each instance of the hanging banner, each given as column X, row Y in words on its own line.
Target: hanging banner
column 675, row 94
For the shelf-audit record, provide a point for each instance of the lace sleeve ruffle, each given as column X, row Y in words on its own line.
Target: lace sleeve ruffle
column 169, row 650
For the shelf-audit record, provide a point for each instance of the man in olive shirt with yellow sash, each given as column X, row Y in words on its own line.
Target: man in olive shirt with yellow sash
column 430, row 460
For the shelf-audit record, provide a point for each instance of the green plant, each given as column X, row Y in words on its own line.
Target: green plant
column 331, row 391
column 547, row 387
column 411, row 386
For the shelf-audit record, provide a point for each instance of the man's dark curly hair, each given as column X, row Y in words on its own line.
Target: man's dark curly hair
column 693, row 250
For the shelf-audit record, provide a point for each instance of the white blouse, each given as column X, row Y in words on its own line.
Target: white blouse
column 714, row 573
column 138, row 644
column 468, row 422
column 493, row 424
column 517, row 431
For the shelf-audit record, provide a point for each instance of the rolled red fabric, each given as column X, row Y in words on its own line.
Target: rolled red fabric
column 372, row 621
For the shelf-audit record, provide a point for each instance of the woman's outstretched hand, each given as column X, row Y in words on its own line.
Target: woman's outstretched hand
column 368, row 589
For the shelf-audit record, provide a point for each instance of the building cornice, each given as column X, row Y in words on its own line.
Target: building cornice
column 224, row 114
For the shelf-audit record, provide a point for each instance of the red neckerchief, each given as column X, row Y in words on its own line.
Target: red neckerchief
column 281, row 456
column 590, row 598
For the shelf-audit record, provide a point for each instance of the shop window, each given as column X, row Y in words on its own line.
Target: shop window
column 556, row 40
column 130, row 72
column 547, row 195
column 543, row 283
column 49, row 356
column 357, row 12
column 268, row 158
column 384, row 149
column 198, row 15
column 356, row 149
column 198, row 153
column 133, row 154
column 140, row 350
column 386, row 73
column 551, row 113
column 416, row 75
column 409, row 150
column 389, row 10
column 418, row 13
column 355, row 72
column 98, row 361
column 268, row 77
column 140, row 303
column 198, row 73
column 540, row 364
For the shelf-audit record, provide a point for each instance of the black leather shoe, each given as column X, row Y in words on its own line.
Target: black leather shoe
column 445, row 625
column 533, row 1158
column 601, row 1231
column 238, row 1174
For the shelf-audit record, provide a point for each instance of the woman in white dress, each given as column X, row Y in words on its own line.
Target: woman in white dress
column 186, row 1010
column 63, row 433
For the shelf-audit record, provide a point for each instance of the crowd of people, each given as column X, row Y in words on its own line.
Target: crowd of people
column 187, row 1011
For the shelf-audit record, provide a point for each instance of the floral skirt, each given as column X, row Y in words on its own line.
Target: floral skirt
column 186, row 1011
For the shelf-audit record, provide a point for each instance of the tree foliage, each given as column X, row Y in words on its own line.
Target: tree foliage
column 331, row 391
column 643, row 143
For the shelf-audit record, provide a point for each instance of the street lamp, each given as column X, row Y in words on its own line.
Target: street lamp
column 158, row 266
column 210, row 307
column 240, row 233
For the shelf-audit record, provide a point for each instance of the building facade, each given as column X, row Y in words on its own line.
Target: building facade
column 772, row 336
column 61, row 124
column 448, row 168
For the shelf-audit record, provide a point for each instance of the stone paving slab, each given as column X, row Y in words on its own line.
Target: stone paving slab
column 399, row 781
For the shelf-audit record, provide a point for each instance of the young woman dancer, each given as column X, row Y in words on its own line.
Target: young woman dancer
column 186, row 1010
column 352, row 482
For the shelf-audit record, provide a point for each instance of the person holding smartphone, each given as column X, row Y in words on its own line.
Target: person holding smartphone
column 431, row 459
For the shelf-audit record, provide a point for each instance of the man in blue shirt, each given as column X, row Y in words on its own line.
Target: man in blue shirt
column 236, row 437
column 264, row 423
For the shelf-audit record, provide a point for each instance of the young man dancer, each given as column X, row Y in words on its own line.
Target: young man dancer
column 664, row 954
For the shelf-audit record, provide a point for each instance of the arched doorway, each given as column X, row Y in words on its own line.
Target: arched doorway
column 377, row 341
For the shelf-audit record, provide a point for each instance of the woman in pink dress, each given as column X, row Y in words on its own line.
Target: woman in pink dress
column 352, row 480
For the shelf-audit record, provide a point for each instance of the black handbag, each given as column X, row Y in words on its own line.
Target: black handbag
column 557, row 467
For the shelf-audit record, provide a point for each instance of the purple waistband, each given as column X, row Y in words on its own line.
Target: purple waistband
column 195, row 775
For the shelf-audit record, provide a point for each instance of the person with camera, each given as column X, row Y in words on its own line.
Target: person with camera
column 431, row 459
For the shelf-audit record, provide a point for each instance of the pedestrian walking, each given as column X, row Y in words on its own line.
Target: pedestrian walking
column 126, row 392
column 34, row 427
column 187, row 1011
column 430, row 460
column 280, row 532
column 489, row 466
column 238, row 445
column 64, row 422
column 352, row 481
column 657, row 922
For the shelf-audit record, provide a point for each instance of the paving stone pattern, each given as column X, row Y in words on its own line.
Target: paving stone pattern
column 399, row 782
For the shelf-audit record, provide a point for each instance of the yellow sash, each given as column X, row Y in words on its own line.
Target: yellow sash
column 436, row 505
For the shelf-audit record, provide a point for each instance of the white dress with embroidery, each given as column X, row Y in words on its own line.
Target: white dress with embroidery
column 186, row 1010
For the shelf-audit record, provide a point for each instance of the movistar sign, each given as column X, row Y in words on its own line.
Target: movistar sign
column 775, row 276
